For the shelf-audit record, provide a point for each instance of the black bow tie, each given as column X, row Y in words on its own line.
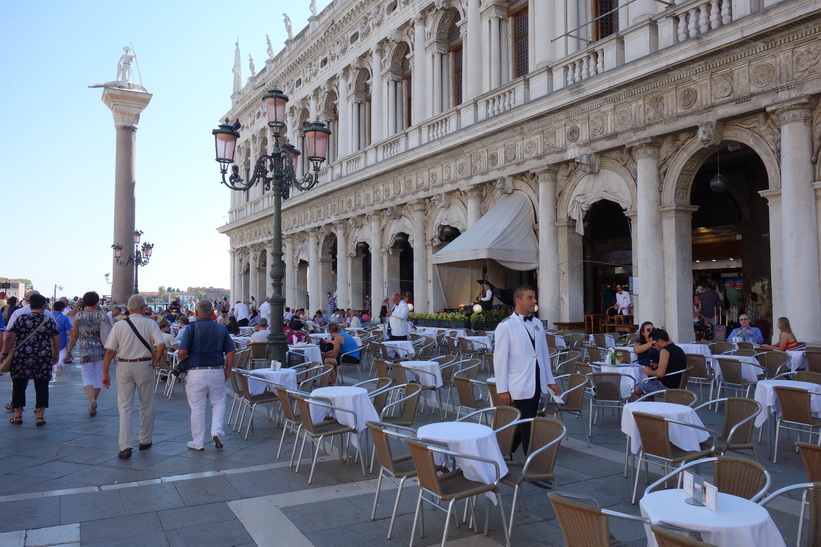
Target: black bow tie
column 527, row 317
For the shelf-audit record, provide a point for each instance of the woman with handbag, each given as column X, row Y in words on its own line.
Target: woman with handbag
column 92, row 325
column 34, row 341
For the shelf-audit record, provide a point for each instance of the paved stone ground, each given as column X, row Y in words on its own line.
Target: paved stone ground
column 62, row 484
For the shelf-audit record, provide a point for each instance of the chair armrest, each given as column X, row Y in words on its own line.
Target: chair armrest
column 453, row 454
column 419, row 371
column 742, row 422
column 800, row 486
column 678, row 470
column 393, row 404
column 592, row 501
column 476, row 412
column 708, row 403
column 694, row 426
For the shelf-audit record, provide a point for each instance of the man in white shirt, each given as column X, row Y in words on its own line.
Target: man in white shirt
column 288, row 315
column 623, row 301
column 241, row 313
column 265, row 310
column 398, row 318
column 260, row 332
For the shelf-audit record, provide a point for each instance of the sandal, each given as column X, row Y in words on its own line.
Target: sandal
column 16, row 420
column 40, row 421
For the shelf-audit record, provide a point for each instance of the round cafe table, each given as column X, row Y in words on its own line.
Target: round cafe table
column 285, row 377
column 468, row 438
column 736, row 521
column 427, row 372
column 350, row 398
column 686, row 438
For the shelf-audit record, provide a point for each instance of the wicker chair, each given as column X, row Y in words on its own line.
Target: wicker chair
column 717, row 348
column 813, row 359
column 583, row 523
column 501, row 419
column 607, row 393
column 625, row 355
column 737, row 429
column 812, row 492
column 473, row 394
column 796, row 414
column 668, row 537
column 379, row 393
column 466, row 350
column 677, row 396
column 600, row 340
column 566, row 363
column 807, row 376
column 546, row 435
column 656, row 446
column 449, row 486
column 701, row 373
column 731, row 377
column 735, row 476
column 593, row 355
column 774, row 362
column 573, row 396
column 291, row 421
column 258, row 350
column 358, row 366
column 391, row 467
column 574, row 340
column 400, row 371
column 253, row 401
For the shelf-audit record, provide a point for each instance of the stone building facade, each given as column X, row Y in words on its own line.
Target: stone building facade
column 606, row 123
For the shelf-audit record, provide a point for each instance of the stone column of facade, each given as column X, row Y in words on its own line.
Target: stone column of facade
column 548, row 246
column 378, row 93
column 314, row 290
column 266, row 275
column 344, row 113
column 474, row 205
column 676, row 224
column 419, row 75
column 773, row 198
column 125, row 105
column 343, row 266
column 472, row 53
column 571, row 281
column 290, row 272
column 543, row 32
column 420, row 259
column 253, row 279
column 641, row 38
column 391, row 106
column 495, row 61
column 377, row 263
column 799, row 238
column 439, row 93
column 232, row 286
column 648, row 252
column 237, row 294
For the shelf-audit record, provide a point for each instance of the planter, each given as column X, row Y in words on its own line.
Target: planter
column 484, row 325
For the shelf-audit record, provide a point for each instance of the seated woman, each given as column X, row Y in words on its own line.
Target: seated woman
column 786, row 340
column 319, row 318
column 344, row 350
column 643, row 348
column 355, row 321
column 671, row 360
column 233, row 326
column 294, row 332
column 254, row 319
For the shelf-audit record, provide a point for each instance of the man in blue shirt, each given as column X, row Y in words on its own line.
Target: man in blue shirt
column 64, row 324
column 209, row 350
column 748, row 333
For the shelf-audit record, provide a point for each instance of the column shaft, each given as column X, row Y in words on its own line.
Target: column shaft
column 548, row 247
column 314, row 273
column 419, row 75
column 377, row 118
column 650, row 254
column 472, row 52
column 377, row 283
column 343, row 285
column 420, row 259
column 291, row 298
column 122, row 285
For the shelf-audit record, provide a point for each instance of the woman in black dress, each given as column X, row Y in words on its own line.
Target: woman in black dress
column 33, row 357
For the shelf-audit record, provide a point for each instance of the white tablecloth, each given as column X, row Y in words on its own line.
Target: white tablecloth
column 683, row 437
column 429, row 372
column 432, row 332
column 468, row 438
column 700, row 349
column 798, row 360
column 285, row 377
column 480, row 342
column 765, row 394
column 246, row 331
column 310, row 351
column 240, row 341
column 349, row 398
column 325, row 336
column 736, row 521
column 749, row 371
column 403, row 348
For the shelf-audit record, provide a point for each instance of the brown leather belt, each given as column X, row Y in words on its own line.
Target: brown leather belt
column 140, row 360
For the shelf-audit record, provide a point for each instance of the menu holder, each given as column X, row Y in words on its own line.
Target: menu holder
column 694, row 488
column 276, row 365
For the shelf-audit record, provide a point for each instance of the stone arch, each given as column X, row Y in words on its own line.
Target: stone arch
column 451, row 212
column 401, row 50
column 613, row 182
column 685, row 164
column 521, row 183
column 443, row 23
column 401, row 224
column 361, row 234
column 301, row 252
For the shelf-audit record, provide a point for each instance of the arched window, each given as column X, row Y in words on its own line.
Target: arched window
column 456, row 59
column 362, row 112
column 609, row 23
column 407, row 91
column 517, row 13
column 331, row 114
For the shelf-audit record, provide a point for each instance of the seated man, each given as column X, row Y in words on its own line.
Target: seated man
column 344, row 350
column 671, row 359
column 170, row 342
column 746, row 332
column 260, row 332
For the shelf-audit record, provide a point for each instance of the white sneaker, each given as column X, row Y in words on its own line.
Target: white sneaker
column 197, row 447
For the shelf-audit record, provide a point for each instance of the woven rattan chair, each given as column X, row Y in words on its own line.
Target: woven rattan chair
column 567, row 362
column 774, row 362
column 812, row 493
column 600, row 340
column 607, row 393
column 677, row 396
column 796, row 414
column 573, row 396
column 316, row 433
column 656, row 447
column 546, row 435
column 594, row 355
column 258, row 350
column 467, row 351
column 811, row 456
column 731, row 377
column 739, row 422
column 701, row 373
column 291, row 421
column 450, row 487
column 473, row 394
column 745, row 352
column 391, row 467
column 807, row 376
column 401, row 410
column 253, row 401
column 574, row 340
column 584, row 523
column 717, row 348
column 667, row 537
column 735, row 476
column 813, row 359
column 238, row 399
column 428, row 378
column 358, row 366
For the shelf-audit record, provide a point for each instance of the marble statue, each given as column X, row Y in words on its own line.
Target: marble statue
column 288, row 28
column 124, row 65
column 251, row 66
column 270, row 47
column 313, row 7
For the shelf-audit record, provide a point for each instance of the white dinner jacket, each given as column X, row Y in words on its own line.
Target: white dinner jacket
column 514, row 358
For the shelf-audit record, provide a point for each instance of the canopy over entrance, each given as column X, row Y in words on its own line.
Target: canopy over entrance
column 504, row 234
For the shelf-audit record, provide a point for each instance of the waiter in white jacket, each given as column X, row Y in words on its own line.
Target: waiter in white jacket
column 522, row 361
column 398, row 318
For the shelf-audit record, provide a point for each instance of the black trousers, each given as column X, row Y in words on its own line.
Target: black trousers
column 392, row 338
column 528, row 408
column 242, row 322
column 18, row 393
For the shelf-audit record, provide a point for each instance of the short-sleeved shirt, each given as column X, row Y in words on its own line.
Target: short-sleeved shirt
column 206, row 342
column 32, row 359
column 123, row 340
column 64, row 324
column 349, row 345
column 676, row 362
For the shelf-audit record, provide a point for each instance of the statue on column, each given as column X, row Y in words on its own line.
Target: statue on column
column 270, row 47
column 124, row 65
column 288, row 28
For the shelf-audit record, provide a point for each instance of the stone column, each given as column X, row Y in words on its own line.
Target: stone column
column 420, row 259
column 773, row 198
column 419, row 75
column 678, row 278
column 641, row 11
column 391, row 106
column 377, row 262
column 253, row 279
column 344, row 112
column 548, row 246
column 799, row 237
column 438, row 93
column 649, row 253
column 232, row 287
column 378, row 92
column 314, row 290
column 474, row 206
column 571, row 278
column 125, row 104
column 495, row 52
column 542, row 32
column 343, row 285
column 472, row 52
column 291, row 273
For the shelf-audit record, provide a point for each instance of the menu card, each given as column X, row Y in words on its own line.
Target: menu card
column 276, row 365
column 711, row 496
column 694, row 488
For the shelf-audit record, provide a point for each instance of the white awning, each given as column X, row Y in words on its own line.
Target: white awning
column 504, row 233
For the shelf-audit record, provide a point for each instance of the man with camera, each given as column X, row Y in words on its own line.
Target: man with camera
column 207, row 354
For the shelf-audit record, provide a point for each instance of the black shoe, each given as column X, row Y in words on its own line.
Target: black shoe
column 217, row 442
column 124, row 454
column 145, row 446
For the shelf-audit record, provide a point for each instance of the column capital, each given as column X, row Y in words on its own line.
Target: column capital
column 645, row 148
column 548, row 174
column 796, row 110
column 419, row 206
column 678, row 209
column 126, row 105
column 772, row 196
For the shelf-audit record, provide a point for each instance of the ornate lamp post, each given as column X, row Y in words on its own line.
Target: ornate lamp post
column 275, row 172
column 140, row 257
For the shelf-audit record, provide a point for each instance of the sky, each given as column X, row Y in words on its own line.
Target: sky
column 58, row 190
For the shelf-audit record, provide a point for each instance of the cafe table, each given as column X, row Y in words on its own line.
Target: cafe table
column 736, row 521
column 310, row 351
column 798, row 359
column 686, row 438
column 480, row 342
column 400, row 348
column 700, row 349
column 285, row 377
column 351, row 398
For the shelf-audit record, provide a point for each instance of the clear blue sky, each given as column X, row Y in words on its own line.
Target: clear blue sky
column 58, row 184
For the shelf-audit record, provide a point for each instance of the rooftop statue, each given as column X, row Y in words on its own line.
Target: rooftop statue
column 124, row 65
column 313, row 7
column 288, row 28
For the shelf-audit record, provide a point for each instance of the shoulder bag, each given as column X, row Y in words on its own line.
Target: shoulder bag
column 6, row 366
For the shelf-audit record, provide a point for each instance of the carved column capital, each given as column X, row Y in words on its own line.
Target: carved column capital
column 799, row 110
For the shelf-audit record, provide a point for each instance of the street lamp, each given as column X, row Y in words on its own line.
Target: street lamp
column 275, row 172
column 140, row 257
column 106, row 278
